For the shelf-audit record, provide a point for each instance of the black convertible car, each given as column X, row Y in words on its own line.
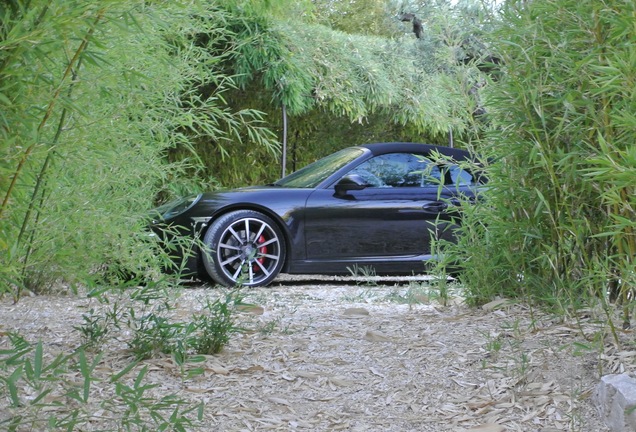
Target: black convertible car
column 376, row 205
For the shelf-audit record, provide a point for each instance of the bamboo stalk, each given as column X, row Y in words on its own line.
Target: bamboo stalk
column 49, row 110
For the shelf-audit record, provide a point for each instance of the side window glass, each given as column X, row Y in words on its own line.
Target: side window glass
column 380, row 171
column 399, row 170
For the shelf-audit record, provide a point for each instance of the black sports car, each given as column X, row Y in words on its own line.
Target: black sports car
column 376, row 205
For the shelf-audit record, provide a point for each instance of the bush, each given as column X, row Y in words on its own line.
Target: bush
column 556, row 223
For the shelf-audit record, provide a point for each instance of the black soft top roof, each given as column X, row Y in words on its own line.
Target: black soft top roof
column 407, row 147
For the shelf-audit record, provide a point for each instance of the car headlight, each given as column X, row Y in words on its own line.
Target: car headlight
column 176, row 207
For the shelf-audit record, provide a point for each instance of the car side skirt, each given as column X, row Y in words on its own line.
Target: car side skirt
column 381, row 266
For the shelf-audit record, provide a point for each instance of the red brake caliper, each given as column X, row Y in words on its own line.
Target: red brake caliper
column 262, row 250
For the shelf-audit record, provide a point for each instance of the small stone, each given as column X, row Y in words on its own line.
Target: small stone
column 615, row 399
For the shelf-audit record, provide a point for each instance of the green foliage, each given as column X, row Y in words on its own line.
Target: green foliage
column 367, row 272
column 363, row 17
column 94, row 330
column 310, row 136
column 93, row 96
column 211, row 331
column 154, row 333
column 338, row 87
column 556, row 222
column 33, row 383
column 304, row 65
column 41, row 397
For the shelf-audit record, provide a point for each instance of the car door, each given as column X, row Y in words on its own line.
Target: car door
column 393, row 216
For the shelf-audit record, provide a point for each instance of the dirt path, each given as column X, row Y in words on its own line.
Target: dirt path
column 323, row 355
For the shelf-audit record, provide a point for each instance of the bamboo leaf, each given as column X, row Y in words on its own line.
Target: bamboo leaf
column 12, row 381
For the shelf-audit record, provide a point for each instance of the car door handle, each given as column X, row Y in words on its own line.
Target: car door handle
column 435, row 207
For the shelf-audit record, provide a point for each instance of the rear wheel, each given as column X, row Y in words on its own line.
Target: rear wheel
column 243, row 247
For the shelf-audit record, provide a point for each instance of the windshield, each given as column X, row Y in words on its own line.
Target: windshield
column 313, row 174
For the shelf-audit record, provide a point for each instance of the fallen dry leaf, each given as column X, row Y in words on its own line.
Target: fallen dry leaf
column 495, row 304
column 487, row 428
column 252, row 309
column 356, row 311
column 376, row 336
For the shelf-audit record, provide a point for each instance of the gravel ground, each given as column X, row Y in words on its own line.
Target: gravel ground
column 324, row 354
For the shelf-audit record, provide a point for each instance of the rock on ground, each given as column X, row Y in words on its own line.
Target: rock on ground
column 615, row 398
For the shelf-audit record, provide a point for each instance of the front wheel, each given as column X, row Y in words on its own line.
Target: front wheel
column 243, row 247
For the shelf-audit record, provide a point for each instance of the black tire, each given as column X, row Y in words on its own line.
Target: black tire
column 243, row 247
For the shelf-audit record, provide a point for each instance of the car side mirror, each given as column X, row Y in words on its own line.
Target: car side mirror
column 350, row 182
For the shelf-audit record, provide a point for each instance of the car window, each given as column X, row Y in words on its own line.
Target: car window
column 399, row 170
column 459, row 176
column 410, row 170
